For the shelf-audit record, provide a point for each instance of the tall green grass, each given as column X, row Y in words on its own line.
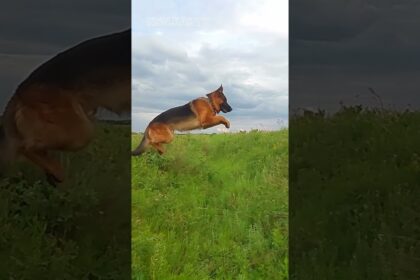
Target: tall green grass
column 354, row 195
column 212, row 207
column 80, row 230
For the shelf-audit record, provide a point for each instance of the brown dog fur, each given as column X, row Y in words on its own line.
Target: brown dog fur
column 54, row 107
column 199, row 113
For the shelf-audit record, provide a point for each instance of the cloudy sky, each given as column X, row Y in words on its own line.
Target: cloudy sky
column 338, row 50
column 34, row 31
column 185, row 49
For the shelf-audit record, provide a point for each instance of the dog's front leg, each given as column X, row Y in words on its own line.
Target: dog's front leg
column 215, row 120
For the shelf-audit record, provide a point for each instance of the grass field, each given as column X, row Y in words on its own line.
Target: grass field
column 354, row 196
column 80, row 230
column 213, row 207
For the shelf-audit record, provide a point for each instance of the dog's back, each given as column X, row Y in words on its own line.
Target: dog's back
column 97, row 70
column 175, row 115
column 95, row 62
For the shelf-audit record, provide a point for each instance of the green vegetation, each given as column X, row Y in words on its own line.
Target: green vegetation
column 81, row 230
column 354, row 191
column 213, row 207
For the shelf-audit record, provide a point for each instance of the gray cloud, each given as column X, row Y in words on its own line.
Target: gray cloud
column 60, row 23
column 34, row 31
column 331, row 20
column 329, row 66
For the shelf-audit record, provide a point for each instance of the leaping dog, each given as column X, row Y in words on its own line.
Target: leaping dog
column 53, row 108
column 198, row 113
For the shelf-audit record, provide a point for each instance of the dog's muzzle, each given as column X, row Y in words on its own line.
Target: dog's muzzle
column 225, row 108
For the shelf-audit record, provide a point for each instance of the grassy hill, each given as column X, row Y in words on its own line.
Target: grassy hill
column 354, row 195
column 213, row 207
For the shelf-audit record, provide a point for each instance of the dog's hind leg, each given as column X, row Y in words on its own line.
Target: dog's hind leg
column 53, row 169
column 58, row 123
column 159, row 134
column 159, row 147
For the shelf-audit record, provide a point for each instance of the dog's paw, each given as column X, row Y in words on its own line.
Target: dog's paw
column 53, row 180
column 227, row 124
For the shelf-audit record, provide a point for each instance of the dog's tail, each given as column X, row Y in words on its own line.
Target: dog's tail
column 8, row 134
column 8, row 145
column 141, row 148
column 6, row 149
column 2, row 143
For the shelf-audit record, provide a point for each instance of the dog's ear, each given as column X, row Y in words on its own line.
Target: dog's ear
column 220, row 88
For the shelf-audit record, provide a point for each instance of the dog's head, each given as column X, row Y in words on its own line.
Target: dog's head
column 219, row 101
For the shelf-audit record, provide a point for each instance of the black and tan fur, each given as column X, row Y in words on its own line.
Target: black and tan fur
column 199, row 113
column 53, row 108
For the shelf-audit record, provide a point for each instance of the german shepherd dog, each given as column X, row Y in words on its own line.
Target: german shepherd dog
column 54, row 108
column 198, row 113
